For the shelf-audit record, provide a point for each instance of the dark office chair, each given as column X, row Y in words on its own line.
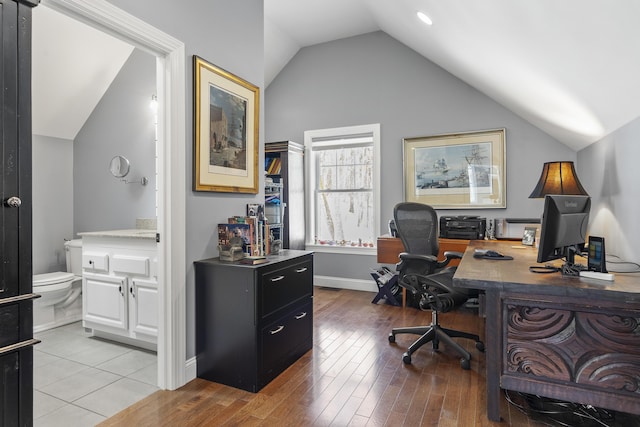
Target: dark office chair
column 428, row 280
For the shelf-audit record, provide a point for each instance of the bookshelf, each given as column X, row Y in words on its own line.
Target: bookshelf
column 284, row 192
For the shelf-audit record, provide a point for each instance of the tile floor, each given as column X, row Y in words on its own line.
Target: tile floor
column 80, row 380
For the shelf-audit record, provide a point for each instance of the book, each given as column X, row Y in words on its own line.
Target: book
column 273, row 165
column 235, row 235
column 253, row 260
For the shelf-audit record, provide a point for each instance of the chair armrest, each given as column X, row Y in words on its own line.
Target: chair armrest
column 406, row 256
column 453, row 254
column 448, row 256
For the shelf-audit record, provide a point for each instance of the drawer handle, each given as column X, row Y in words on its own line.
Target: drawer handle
column 301, row 270
column 277, row 279
column 278, row 329
column 301, row 315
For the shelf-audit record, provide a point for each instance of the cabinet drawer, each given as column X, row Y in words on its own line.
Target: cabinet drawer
column 95, row 261
column 282, row 287
column 130, row 264
column 284, row 341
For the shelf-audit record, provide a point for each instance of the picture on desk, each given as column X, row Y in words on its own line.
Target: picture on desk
column 529, row 236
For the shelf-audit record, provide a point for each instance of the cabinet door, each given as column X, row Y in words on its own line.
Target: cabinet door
column 104, row 300
column 143, row 299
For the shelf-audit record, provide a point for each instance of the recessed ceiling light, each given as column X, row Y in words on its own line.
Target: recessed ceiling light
column 424, row 18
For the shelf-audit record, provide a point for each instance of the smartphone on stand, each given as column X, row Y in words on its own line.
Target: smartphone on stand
column 596, row 255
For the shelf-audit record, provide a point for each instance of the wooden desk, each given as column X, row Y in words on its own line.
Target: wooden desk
column 560, row 337
column 388, row 249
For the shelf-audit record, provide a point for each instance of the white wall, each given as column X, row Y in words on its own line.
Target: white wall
column 610, row 173
column 52, row 202
column 121, row 124
column 373, row 78
column 229, row 34
column 73, row 190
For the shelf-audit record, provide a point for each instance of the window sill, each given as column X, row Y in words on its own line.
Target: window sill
column 337, row 249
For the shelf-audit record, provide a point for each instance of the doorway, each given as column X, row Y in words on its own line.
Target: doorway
column 170, row 72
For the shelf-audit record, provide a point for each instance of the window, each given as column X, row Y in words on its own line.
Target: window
column 342, row 171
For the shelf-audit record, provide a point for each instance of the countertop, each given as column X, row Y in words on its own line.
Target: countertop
column 135, row 233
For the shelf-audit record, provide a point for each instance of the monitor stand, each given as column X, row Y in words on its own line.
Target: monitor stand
column 570, row 268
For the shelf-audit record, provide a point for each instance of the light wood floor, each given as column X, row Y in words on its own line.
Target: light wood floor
column 352, row 377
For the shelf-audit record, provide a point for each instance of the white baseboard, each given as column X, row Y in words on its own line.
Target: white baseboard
column 190, row 370
column 342, row 283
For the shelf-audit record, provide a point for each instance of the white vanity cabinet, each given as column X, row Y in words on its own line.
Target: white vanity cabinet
column 119, row 285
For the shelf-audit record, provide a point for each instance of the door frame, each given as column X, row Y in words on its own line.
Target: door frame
column 171, row 84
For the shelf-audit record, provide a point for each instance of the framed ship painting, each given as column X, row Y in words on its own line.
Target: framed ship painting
column 456, row 171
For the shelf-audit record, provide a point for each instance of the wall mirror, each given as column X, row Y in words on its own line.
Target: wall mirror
column 119, row 166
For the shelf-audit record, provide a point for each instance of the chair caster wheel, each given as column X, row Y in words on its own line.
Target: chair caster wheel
column 480, row 346
column 392, row 338
column 465, row 364
column 406, row 358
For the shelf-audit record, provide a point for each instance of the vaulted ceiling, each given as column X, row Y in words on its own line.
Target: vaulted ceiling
column 72, row 67
column 569, row 67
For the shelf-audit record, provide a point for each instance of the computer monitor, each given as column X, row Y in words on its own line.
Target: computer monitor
column 564, row 229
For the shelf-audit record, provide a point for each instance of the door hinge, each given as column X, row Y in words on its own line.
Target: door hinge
column 157, row 237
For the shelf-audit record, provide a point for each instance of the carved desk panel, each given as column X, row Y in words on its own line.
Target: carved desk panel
column 567, row 338
column 573, row 345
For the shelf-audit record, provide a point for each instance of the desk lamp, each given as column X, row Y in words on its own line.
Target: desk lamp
column 558, row 178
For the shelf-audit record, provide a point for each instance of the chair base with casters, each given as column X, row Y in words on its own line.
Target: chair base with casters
column 434, row 333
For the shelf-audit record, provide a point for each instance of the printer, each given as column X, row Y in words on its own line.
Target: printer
column 463, row 227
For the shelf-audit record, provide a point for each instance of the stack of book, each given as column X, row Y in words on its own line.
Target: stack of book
column 253, row 231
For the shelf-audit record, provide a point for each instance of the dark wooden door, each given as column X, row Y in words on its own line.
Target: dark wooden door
column 16, row 297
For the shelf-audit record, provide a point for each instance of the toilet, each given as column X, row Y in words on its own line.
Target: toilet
column 60, row 302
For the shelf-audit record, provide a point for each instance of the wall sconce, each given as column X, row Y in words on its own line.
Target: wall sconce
column 558, row 178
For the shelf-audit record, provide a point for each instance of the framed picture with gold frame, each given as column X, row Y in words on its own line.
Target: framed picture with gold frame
column 226, row 117
column 456, row 171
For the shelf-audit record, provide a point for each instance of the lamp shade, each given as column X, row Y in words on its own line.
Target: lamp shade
column 558, row 178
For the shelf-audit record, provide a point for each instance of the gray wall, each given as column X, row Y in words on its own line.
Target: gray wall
column 52, row 202
column 229, row 34
column 608, row 170
column 373, row 78
column 121, row 124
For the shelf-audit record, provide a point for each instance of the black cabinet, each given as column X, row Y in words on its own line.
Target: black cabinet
column 253, row 321
column 284, row 165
